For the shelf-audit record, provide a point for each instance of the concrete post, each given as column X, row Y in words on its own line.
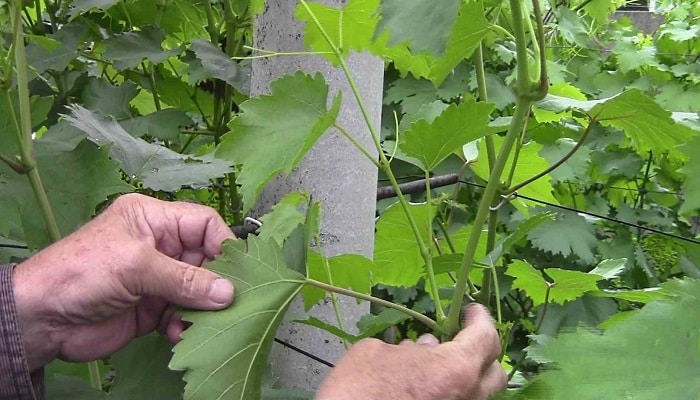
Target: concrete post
column 334, row 172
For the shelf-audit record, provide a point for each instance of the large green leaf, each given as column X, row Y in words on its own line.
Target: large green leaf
column 127, row 50
column 354, row 27
column 218, row 65
column 264, row 145
column 397, row 259
column 691, row 186
column 70, row 36
column 565, row 286
column 75, row 181
column 570, row 234
column 224, row 353
column 528, row 164
column 350, row 271
column 420, row 23
column 284, row 218
column 653, row 354
column 432, row 142
column 158, row 167
column 149, row 353
column 163, row 124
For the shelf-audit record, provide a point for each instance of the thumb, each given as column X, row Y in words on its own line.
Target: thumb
column 183, row 284
column 479, row 335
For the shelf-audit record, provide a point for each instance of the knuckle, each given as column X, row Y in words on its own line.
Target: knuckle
column 190, row 285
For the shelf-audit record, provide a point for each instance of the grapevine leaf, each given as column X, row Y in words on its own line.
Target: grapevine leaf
column 150, row 353
column 638, row 295
column 570, row 234
column 349, row 271
column 588, row 310
column 586, row 360
column 691, row 186
column 459, row 124
column 301, row 117
column 57, row 59
column 350, row 28
column 162, row 124
column 609, row 269
column 127, row 50
column 224, row 353
column 397, row 259
column 570, row 285
column 528, row 279
column 75, row 181
column 421, row 24
column 520, row 233
column 649, row 126
column 528, row 164
column 332, row 329
column 72, row 388
column 107, row 99
column 371, row 324
column 157, row 166
column 218, row 65
column 573, row 169
column 354, row 27
column 285, row 216
column 79, row 7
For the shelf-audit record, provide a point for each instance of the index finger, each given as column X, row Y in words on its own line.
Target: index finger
column 480, row 335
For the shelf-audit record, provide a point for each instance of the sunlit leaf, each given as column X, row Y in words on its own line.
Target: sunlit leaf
column 458, row 125
column 266, row 146
column 397, row 259
column 349, row 271
column 224, row 353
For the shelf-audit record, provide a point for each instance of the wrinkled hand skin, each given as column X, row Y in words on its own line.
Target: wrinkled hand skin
column 117, row 277
column 463, row 369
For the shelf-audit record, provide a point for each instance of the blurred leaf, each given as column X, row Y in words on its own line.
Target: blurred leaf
column 224, row 353
column 301, row 117
column 150, row 353
column 420, row 24
column 158, row 167
column 76, row 181
column 691, row 186
column 609, row 269
column 163, row 124
column 218, row 65
column 631, row 351
column 127, row 50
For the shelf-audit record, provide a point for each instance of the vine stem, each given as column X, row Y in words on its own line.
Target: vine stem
column 334, row 297
column 24, row 134
column 522, row 107
column 430, row 323
column 440, row 313
column 522, row 357
column 557, row 164
column 384, row 163
column 26, row 147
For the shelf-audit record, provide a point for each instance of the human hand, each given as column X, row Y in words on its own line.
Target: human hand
column 464, row 369
column 114, row 279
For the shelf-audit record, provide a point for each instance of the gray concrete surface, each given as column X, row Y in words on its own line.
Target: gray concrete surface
column 334, row 172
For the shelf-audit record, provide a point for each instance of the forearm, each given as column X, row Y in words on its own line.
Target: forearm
column 16, row 383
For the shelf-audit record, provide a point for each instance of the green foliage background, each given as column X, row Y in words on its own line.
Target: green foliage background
column 595, row 216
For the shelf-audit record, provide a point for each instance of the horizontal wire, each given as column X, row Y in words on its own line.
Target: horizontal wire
column 611, row 219
column 304, row 352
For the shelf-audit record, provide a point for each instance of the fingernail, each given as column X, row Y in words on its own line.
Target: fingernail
column 221, row 291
